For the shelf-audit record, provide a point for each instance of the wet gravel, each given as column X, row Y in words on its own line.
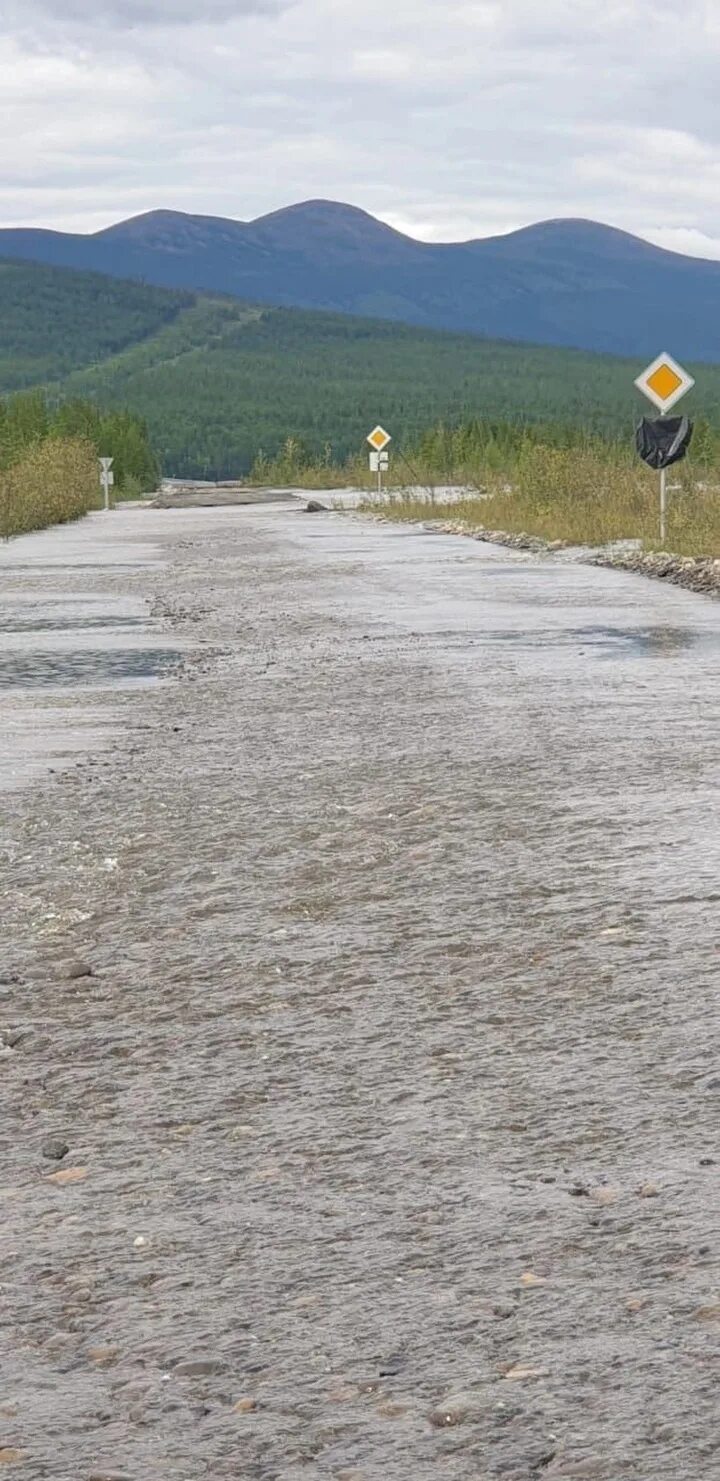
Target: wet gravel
column 358, row 1026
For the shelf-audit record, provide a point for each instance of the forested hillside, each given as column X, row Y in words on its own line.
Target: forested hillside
column 53, row 321
column 217, row 380
column 222, row 382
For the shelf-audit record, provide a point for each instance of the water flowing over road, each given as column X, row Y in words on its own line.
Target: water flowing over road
column 358, row 1007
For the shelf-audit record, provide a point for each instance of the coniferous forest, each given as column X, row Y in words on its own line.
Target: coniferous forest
column 217, row 382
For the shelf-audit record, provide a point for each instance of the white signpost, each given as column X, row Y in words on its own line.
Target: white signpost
column 664, row 382
column 107, row 479
column 379, row 440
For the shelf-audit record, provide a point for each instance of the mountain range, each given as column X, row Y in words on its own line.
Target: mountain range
column 564, row 283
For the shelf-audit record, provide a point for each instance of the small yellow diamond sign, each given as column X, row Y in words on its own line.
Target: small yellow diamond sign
column 379, row 439
column 664, row 382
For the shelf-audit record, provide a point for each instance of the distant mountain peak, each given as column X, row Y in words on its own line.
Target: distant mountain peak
column 579, row 233
column 326, row 213
column 318, row 207
column 151, row 225
column 342, row 227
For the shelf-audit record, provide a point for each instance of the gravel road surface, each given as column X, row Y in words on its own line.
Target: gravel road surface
column 358, row 1003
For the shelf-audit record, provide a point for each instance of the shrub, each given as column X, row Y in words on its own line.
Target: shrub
column 55, row 481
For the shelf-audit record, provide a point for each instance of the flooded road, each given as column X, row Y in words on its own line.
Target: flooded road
column 368, row 976
column 62, row 629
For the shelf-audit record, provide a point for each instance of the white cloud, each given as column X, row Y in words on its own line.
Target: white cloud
column 132, row 14
column 453, row 120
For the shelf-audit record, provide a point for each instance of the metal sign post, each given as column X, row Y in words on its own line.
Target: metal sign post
column 663, row 504
column 379, row 440
column 664, row 383
column 107, row 479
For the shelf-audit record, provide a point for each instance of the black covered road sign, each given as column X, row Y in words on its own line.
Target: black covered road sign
column 664, row 441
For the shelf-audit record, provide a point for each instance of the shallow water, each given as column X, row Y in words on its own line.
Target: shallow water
column 395, row 1084
column 40, row 670
column 14, row 623
column 58, row 637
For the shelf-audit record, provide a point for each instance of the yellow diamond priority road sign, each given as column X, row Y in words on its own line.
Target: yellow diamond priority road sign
column 664, row 382
column 379, row 439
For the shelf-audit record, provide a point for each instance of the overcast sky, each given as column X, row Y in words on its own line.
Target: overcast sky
column 447, row 118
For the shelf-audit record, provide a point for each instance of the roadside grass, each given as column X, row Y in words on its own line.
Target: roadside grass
column 55, row 481
column 590, row 493
column 131, row 489
column 292, row 468
column 583, row 497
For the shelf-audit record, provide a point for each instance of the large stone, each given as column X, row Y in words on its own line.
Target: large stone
column 55, row 1148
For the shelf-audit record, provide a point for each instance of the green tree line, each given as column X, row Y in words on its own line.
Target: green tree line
column 29, row 419
column 475, row 452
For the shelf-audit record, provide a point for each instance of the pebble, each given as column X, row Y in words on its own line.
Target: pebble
column 57, row 1342
column 103, row 1357
column 649, row 1190
column 604, row 1196
column 73, row 970
column 503, row 1310
column 662, row 1434
column 519, row 1373
column 55, row 1148
column 445, row 1417
column 68, row 1175
column 9, row 1456
column 459, row 1408
column 707, row 1313
column 200, row 1368
column 245, row 1406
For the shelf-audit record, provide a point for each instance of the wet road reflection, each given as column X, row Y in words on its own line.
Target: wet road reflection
column 73, row 638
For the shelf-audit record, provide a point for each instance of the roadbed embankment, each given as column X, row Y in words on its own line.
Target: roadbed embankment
column 693, row 573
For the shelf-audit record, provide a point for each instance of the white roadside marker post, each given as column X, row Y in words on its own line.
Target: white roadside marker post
column 107, row 478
